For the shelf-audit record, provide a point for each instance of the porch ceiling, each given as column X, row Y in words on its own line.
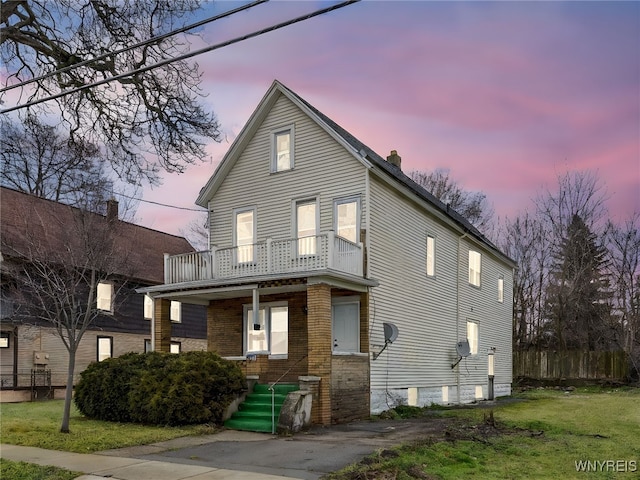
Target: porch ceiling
column 201, row 292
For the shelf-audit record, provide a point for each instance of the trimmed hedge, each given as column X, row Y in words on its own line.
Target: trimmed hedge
column 159, row 388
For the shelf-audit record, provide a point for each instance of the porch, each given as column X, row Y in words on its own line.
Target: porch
column 295, row 339
column 324, row 252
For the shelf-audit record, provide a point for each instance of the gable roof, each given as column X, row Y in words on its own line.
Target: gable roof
column 369, row 158
column 22, row 214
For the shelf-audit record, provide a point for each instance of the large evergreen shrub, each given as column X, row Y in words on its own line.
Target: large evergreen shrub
column 156, row 388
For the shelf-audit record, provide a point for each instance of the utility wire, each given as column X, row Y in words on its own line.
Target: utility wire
column 161, row 204
column 155, row 39
column 185, row 56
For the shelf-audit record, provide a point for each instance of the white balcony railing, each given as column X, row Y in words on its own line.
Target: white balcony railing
column 272, row 257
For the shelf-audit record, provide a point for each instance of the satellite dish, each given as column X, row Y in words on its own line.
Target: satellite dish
column 390, row 335
column 463, row 348
column 390, row 332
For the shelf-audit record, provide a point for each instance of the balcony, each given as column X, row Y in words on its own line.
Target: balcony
column 325, row 252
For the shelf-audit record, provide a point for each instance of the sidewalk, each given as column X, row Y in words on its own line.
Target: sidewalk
column 97, row 467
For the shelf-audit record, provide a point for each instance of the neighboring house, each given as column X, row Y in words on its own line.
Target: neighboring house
column 30, row 350
column 316, row 242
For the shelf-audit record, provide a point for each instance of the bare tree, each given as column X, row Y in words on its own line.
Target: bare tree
column 37, row 159
column 197, row 233
column 573, row 220
column 525, row 241
column 156, row 111
column 59, row 256
column 578, row 193
column 471, row 205
column 624, row 266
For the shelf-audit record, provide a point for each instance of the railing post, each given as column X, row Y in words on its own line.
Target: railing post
column 360, row 260
column 213, row 262
column 269, row 253
column 330, row 248
column 167, row 276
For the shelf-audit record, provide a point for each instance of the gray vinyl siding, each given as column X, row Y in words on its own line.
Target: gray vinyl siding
column 425, row 308
column 481, row 305
column 323, row 169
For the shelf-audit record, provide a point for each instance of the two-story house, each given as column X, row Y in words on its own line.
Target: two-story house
column 33, row 358
column 318, row 246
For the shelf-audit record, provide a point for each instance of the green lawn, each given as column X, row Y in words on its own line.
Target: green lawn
column 541, row 436
column 37, row 424
column 28, row 471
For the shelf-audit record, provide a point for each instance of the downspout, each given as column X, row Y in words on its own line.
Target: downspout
column 153, row 325
column 458, row 314
column 367, row 220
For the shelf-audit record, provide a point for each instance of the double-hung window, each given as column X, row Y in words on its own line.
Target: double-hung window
column 472, row 337
column 282, row 149
column 244, row 234
column 269, row 333
column 306, row 226
column 148, row 307
column 105, row 348
column 475, row 267
column 431, row 255
column 175, row 313
column 104, row 297
column 347, row 218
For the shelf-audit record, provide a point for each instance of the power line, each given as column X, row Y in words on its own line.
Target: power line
column 155, row 39
column 185, row 56
column 161, row 204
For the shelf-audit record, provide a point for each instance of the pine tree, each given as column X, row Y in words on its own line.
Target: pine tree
column 578, row 298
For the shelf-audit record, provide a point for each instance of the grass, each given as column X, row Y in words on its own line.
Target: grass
column 29, row 471
column 37, row 424
column 541, row 436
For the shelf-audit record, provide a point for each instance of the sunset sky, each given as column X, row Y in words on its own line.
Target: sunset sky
column 506, row 95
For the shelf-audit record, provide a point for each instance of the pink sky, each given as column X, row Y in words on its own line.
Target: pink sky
column 505, row 95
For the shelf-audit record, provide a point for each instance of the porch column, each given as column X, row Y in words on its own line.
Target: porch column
column 162, row 312
column 320, row 344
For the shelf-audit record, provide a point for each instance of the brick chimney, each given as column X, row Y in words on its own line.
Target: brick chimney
column 394, row 158
column 112, row 210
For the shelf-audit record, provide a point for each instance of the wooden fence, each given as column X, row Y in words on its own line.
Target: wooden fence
column 572, row 364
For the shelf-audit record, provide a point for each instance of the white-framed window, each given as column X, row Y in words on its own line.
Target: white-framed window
column 345, row 321
column 104, row 297
column 270, row 333
column 306, row 219
column 105, row 348
column 472, row 336
column 475, row 267
column 282, row 149
column 175, row 313
column 148, row 307
column 244, row 233
column 176, row 347
column 431, row 255
column 501, row 289
column 347, row 218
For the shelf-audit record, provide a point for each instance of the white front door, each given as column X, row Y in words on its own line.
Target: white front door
column 346, row 326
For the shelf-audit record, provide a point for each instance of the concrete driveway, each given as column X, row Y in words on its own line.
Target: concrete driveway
column 306, row 455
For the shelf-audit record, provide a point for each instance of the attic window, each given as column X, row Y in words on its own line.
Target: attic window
column 282, row 150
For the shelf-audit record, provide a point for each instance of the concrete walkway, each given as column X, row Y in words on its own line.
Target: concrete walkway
column 99, row 467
